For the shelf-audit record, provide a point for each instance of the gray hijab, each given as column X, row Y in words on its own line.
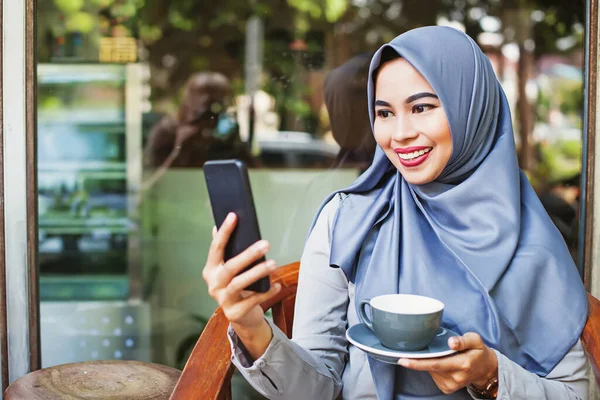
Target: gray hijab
column 477, row 238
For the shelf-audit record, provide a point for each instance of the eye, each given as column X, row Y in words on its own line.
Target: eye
column 383, row 114
column 421, row 108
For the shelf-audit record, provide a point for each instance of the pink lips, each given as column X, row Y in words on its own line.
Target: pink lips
column 415, row 161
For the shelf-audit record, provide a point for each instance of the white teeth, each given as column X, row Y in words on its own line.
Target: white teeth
column 414, row 154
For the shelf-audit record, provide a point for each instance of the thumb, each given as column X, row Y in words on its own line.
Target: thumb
column 469, row 340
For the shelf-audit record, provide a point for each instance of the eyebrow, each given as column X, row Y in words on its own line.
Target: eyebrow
column 418, row 96
column 408, row 100
column 382, row 103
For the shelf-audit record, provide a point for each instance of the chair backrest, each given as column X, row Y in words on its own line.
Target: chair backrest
column 207, row 374
column 591, row 336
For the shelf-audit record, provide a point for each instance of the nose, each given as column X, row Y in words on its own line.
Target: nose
column 405, row 130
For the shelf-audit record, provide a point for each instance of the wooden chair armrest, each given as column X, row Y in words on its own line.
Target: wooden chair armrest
column 207, row 373
column 591, row 336
column 209, row 367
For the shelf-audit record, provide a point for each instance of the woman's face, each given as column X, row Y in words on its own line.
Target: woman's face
column 410, row 123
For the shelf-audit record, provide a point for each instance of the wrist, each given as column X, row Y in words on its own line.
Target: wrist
column 491, row 371
column 255, row 339
column 252, row 332
column 487, row 385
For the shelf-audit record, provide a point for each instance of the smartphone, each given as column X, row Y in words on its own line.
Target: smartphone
column 229, row 191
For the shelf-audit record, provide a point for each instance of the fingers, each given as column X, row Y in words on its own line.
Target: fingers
column 451, row 373
column 468, row 341
column 216, row 251
column 242, row 307
column 238, row 263
column 247, row 278
column 431, row 364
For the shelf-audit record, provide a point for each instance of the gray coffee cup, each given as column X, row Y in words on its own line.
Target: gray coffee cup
column 403, row 322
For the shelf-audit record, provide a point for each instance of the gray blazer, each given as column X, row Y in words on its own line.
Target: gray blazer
column 319, row 363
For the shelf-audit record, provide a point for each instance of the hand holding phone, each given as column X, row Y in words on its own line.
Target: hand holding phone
column 228, row 272
column 230, row 192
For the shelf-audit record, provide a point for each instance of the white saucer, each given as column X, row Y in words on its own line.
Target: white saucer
column 364, row 338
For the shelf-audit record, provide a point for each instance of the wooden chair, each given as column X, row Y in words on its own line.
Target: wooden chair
column 207, row 374
column 591, row 336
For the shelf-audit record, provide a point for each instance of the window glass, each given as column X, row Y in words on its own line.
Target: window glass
column 134, row 96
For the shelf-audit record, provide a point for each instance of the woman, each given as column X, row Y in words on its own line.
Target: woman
column 443, row 211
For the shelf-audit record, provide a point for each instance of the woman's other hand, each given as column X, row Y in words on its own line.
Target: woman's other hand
column 475, row 364
column 241, row 308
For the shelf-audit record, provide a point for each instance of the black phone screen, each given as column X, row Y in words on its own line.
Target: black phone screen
column 229, row 191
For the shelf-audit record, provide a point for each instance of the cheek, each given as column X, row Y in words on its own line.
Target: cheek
column 448, row 144
column 443, row 139
column 381, row 136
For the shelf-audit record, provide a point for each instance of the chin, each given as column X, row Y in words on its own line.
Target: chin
column 418, row 181
column 411, row 177
column 417, row 177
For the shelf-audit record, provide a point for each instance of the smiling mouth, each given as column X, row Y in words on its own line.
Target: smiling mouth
column 414, row 154
column 414, row 158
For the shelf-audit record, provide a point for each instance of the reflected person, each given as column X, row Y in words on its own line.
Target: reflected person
column 344, row 89
column 202, row 129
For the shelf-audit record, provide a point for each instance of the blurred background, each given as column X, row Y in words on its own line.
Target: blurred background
column 135, row 95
